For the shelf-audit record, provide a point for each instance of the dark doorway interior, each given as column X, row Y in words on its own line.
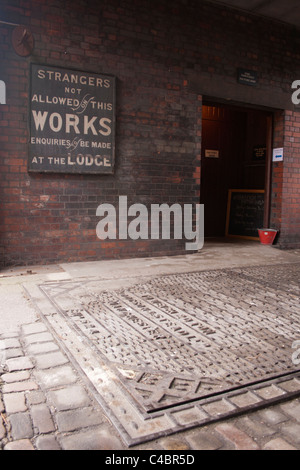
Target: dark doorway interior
column 235, row 151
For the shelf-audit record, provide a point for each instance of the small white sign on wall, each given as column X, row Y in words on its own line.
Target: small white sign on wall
column 2, row 92
column 278, row 155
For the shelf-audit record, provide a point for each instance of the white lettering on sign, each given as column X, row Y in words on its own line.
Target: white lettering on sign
column 73, row 78
column 296, row 94
column 2, row 92
column 56, row 122
column 72, row 121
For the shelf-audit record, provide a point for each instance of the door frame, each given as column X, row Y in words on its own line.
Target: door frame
column 211, row 101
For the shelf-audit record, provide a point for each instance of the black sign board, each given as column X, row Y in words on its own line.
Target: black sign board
column 245, row 213
column 247, row 77
column 72, row 121
column 259, row 153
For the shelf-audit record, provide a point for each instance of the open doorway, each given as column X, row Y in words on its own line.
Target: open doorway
column 236, row 155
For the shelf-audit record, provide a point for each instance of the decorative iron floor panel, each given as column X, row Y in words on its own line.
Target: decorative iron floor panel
column 159, row 353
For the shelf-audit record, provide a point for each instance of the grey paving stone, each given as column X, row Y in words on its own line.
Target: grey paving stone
column 9, row 343
column 69, row 398
column 13, row 353
column 1, row 405
column 42, row 419
column 40, row 348
column 204, row 440
column 46, row 361
column 32, row 328
column 292, row 409
column 174, row 443
column 239, row 438
column 292, row 430
column 255, row 427
column 20, row 386
column 272, row 416
column 76, row 419
column 21, row 426
column 278, row 444
column 48, row 442
column 95, row 439
column 2, row 430
column 10, row 334
column 56, row 377
column 15, row 376
column 14, row 402
column 38, row 338
column 18, row 364
column 23, row 444
column 35, row 397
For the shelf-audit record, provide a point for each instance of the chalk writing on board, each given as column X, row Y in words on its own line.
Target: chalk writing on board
column 245, row 213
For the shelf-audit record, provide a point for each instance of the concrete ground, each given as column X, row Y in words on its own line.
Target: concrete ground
column 44, row 401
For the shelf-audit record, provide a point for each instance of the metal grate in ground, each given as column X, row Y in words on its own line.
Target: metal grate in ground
column 181, row 350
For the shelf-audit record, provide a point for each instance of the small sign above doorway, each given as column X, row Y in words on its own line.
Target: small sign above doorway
column 247, row 77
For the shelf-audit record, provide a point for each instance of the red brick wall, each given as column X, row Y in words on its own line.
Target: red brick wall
column 285, row 212
column 290, row 226
column 277, row 172
column 155, row 51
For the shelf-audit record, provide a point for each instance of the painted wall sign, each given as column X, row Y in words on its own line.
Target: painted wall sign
column 2, row 92
column 247, row 77
column 72, row 121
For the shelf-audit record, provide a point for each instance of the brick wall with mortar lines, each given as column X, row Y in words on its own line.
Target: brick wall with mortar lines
column 277, row 172
column 153, row 49
column 285, row 213
column 290, row 226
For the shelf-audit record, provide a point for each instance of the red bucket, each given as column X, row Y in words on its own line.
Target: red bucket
column 267, row 236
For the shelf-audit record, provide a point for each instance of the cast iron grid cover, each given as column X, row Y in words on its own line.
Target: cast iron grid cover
column 158, row 348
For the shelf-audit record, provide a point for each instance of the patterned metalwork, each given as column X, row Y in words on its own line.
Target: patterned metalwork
column 182, row 337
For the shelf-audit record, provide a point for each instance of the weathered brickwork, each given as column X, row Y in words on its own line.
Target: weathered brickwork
column 290, row 226
column 277, row 176
column 166, row 57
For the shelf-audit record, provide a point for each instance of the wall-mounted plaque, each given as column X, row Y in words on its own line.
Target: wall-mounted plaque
column 72, row 121
column 247, row 77
column 259, row 153
column 212, row 153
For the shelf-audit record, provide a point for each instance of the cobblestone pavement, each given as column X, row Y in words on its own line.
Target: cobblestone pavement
column 45, row 405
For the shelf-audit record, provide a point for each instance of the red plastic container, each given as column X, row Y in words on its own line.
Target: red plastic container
column 267, row 236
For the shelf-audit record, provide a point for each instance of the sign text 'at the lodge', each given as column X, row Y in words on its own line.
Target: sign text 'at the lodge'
column 72, row 121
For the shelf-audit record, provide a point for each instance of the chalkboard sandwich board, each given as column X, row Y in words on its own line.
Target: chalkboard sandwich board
column 245, row 213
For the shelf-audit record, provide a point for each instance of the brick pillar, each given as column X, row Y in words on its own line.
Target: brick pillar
column 285, row 212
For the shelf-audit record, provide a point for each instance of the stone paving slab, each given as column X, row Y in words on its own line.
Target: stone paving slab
column 49, row 417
